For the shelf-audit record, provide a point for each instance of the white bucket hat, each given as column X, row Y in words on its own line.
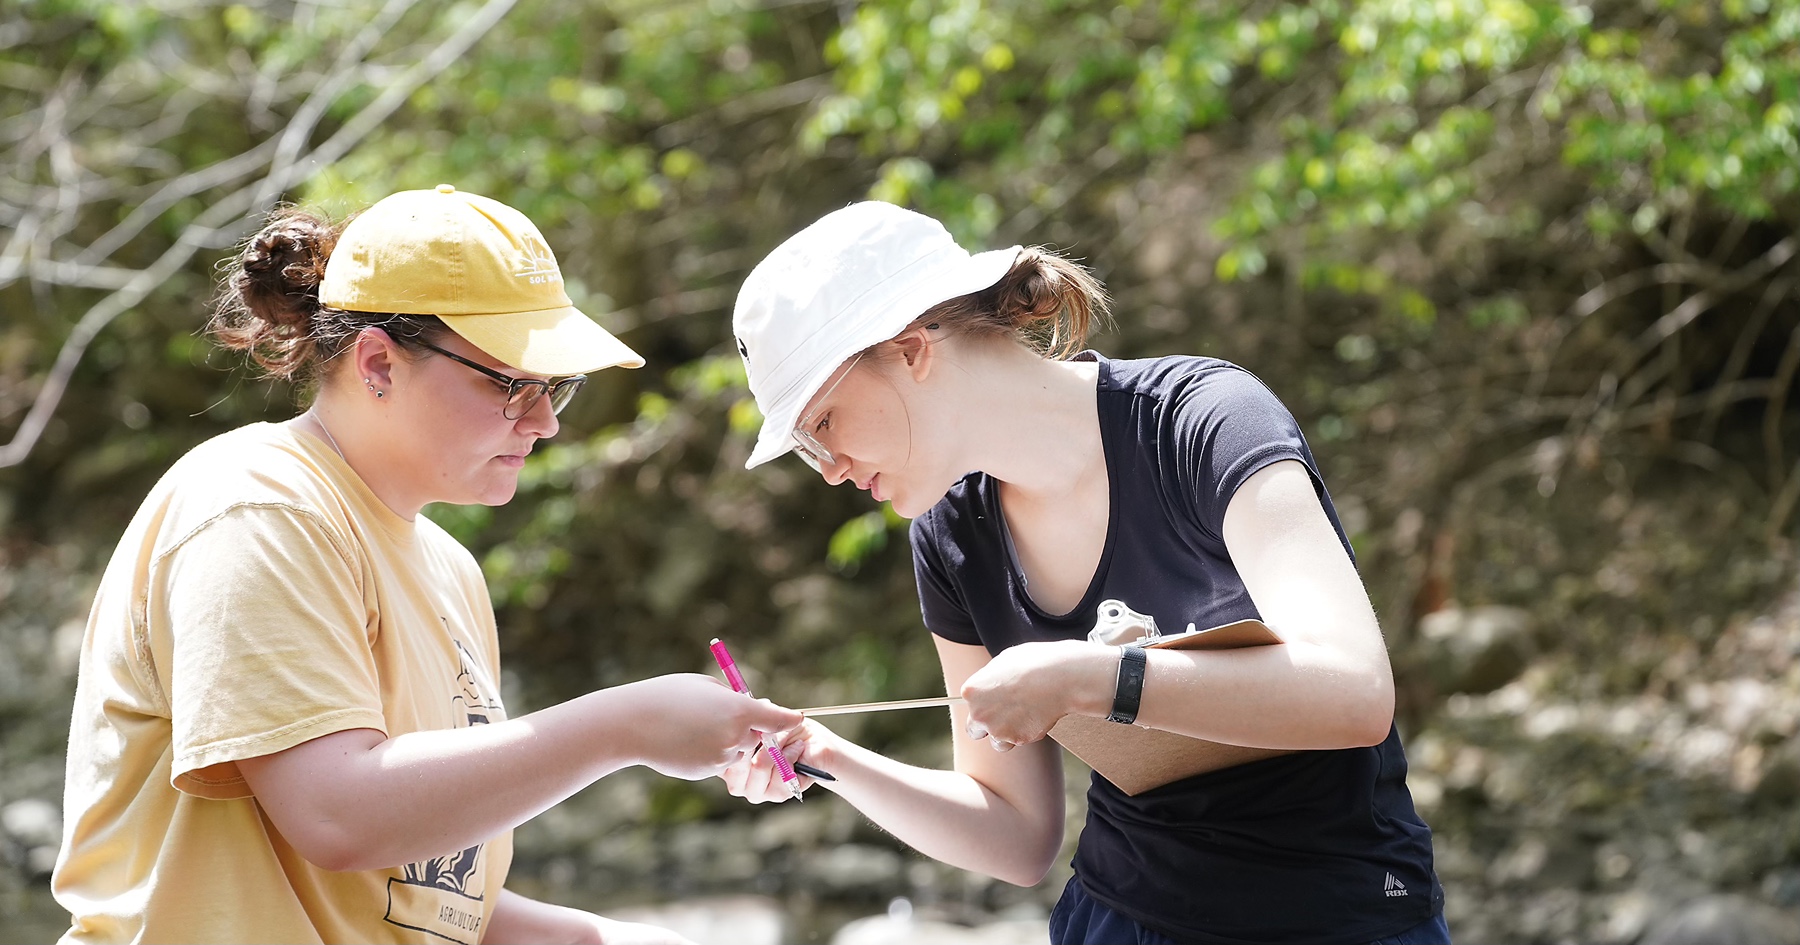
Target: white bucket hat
column 856, row 277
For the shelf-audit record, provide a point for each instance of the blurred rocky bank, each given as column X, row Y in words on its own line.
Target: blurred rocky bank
column 1671, row 816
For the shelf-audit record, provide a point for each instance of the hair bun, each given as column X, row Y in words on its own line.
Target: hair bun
column 1032, row 292
column 270, row 292
column 282, row 268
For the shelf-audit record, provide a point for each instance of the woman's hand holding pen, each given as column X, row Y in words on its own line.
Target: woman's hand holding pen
column 694, row 726
column 1021, row 693
column 754, row 778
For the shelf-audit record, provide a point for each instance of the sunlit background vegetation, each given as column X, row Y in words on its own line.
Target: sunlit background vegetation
column 1524, row 270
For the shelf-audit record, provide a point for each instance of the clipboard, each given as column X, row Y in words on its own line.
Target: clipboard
column 1136, row 759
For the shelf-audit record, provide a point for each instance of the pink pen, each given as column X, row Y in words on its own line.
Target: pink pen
column 723, row 657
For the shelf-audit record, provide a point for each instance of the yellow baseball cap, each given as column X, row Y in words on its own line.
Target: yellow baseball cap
column 478, row 265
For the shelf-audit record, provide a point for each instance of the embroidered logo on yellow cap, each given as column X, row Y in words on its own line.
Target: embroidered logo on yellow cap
column 480, row 266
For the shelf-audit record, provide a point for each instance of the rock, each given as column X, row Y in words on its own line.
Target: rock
column 1558, row 860
column 1778, row 784
column 722, row 920
column 797, row 826
column 886, row 930
column 35, row 825
column 1476, row 649
column 1725, row 920
column 854, row 868
column 901, row 927
column 40, row 862
column 1629, row 914
column 1782, row 887
column 32, row 822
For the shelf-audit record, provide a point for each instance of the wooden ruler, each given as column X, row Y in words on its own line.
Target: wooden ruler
column 882, row 706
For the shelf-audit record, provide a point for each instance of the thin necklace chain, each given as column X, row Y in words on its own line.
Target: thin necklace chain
column 332, row 439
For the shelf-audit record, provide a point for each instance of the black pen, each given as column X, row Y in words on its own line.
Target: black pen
column 817, row 774
column 812, row 772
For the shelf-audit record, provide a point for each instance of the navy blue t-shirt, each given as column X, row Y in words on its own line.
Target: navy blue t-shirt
column 1315, row 846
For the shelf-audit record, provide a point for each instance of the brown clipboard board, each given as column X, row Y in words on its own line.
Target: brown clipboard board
column 1136, row 759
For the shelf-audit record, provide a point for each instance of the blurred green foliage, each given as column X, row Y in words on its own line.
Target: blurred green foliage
column 1483, row 248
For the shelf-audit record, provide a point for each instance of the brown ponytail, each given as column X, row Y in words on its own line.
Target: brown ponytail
column 268, row 302
column 1048, row 301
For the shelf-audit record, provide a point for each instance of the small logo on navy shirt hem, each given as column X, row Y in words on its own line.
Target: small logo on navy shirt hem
column 1395, row 888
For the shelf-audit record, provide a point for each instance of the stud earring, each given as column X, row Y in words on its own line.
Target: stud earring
column 371, row 386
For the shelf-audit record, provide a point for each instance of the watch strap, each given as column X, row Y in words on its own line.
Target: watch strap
column 1130, row 687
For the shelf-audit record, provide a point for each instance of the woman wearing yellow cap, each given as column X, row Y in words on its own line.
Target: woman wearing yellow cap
column 288, row 725
column 890, row 358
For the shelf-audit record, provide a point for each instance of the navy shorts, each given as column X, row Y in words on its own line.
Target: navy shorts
column 1079, row 920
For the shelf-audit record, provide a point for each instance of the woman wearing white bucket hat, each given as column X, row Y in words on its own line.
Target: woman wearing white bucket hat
column 887, row 356
column 288, row 724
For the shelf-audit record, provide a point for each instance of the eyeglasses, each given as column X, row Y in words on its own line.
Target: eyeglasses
column 522, row 393
column 808, row 446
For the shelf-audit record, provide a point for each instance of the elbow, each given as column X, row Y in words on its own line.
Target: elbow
column 1368, row 721
column 1357, row 715
column 356, row 859
column 340, row 863
column 335, row 853
column 335, row 847
column 1026, row 874
column 1371, row 732
column 1034, row 863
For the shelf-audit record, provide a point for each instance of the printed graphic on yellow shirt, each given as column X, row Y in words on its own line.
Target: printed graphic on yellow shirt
column 472, row 701
column 445, row 896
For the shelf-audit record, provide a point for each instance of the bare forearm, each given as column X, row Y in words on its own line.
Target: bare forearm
column 520, row 920
column 517, row 919
column 1296, row 696
column 1299, row 695
column 953, row 817
column 356, row 800
column 482, row 780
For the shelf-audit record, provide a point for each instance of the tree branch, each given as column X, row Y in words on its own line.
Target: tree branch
column 1778, row 388
column 1699, row 302
column 1776, row 291
column 342, row 76
column 205, row 230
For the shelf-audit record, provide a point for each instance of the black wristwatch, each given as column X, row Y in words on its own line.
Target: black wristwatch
column 1130, row 688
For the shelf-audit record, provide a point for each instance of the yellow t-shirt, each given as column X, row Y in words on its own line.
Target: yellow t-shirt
column 262, row 597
